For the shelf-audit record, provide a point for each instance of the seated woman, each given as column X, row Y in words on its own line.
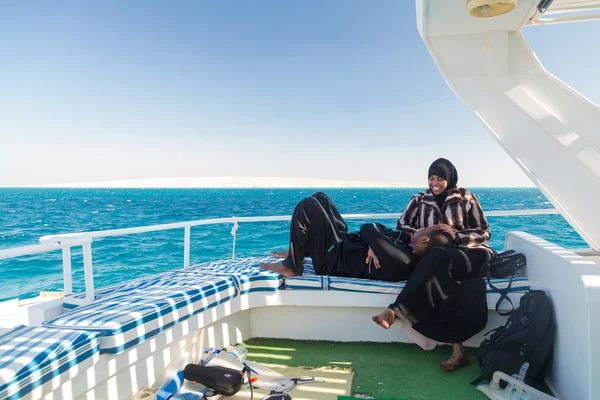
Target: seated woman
column 319, row 231
column 445, row 298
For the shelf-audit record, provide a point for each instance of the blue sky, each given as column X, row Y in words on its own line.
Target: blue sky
column 317, row 89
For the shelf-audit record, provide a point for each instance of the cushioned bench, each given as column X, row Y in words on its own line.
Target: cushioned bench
column 77, row 299
column 131, row 316
column 129, row 313
column 310, row 281
column 30, row 357
column 246, row 273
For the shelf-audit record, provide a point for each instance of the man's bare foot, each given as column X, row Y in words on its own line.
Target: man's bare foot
column 385, row 319
column 279, row 268
column 280, row 254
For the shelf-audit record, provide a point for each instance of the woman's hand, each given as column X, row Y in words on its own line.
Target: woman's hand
column 372, row 257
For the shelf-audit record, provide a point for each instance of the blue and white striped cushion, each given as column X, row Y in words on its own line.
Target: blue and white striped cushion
column 364, row 285
column 519, row 284
column 246, row 272
column 316, row 282
column 127, row 318
column 371, row 286
column 77, row 299
column 31, row 357
column 307, row 282
column 310, row 281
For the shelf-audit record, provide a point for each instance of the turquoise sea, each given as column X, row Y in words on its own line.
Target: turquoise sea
column 27, row 214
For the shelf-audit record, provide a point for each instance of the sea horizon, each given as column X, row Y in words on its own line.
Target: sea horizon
column 237, row 182
column 26, row 214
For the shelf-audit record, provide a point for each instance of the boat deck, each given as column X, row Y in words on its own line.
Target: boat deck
column 383, row 370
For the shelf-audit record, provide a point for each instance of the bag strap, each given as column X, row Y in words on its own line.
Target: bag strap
column 477, row 381
column 492, row 331
column 249, row 376
column 503, row 294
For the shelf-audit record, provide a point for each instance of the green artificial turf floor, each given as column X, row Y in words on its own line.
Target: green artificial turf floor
column 383, row 370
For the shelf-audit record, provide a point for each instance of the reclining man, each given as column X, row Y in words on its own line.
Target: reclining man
column 319, row 231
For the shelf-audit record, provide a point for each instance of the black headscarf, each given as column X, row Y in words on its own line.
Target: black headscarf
column 446, row 170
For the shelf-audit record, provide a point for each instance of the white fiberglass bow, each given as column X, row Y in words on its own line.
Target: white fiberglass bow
column 550, row 130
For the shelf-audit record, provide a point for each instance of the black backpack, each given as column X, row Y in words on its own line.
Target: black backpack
column 527, row 336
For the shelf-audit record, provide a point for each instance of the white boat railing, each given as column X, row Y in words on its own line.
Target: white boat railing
column 66, row 241
column 65, row 245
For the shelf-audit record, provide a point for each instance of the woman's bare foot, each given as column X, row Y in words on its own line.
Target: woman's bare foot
column 457, row 359
column 279, row 268
column 385, row 319
column 280, row 254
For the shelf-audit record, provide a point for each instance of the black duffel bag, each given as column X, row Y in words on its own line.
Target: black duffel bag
column 504, row 265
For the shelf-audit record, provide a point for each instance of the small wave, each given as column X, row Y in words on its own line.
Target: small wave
column 129, row 201
column 94, row 212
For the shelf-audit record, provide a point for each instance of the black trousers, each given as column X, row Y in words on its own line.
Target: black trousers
column 445, row 298
column 316, row 226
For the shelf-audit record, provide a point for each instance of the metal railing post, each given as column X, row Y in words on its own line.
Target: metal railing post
column 234, row 234
column 186, row 247
column 88, row 272
column 67, row 275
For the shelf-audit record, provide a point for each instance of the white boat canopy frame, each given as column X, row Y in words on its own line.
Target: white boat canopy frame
column 561, row 11
column 547, row 128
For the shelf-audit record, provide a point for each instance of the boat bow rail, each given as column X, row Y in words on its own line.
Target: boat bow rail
column 65, row 242
column 214, row 304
